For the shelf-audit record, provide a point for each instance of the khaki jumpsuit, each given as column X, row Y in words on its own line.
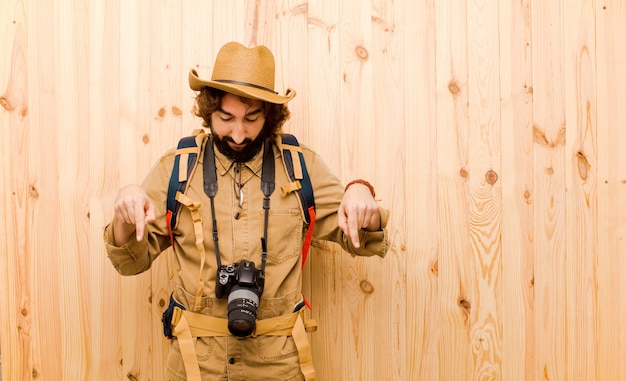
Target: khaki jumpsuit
column 240, row 229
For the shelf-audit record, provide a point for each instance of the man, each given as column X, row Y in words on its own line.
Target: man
column 235, row 311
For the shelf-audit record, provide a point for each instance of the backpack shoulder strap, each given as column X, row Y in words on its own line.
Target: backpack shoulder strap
column 185, row 160
column 293, row 159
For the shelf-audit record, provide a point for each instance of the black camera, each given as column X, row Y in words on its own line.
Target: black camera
column 243, row 284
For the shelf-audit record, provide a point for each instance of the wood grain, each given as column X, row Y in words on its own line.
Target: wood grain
column 582, row 183
column 485, row 187
column 516, row 94
column 493, row 131
column 455, row 264
column 549, row 130
column 611, row 114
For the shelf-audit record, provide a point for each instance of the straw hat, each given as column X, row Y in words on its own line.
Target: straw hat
column 247, row 72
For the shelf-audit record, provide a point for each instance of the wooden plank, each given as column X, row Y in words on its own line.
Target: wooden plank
column 197, row 53
column 549, row 190
column 517, row 187
column 454, row 264
column 417, row 219
column 582, row 183
column 43, row 214
column 226, row 22
column 484, row 164
column 15, row 291
column 72, row 291
column 611, row 118
column 288, row 42
column 386, row 152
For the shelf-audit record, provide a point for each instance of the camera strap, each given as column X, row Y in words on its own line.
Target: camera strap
column 267, row 186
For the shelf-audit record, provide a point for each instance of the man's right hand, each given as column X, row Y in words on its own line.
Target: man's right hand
column 133, row 211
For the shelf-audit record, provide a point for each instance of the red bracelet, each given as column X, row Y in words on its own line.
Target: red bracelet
column 359, row 181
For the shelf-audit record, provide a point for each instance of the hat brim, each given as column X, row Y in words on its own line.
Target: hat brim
column 196, row 84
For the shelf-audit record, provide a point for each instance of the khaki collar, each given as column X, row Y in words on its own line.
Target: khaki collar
column 224, row 164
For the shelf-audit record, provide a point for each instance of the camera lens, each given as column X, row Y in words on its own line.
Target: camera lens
column 242, row 307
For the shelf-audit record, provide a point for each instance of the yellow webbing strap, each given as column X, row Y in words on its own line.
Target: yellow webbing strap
column 297, row 167
column 304, row 349
column 197, row 225
column 187, row 349
column 186, row 325
column 290, row 187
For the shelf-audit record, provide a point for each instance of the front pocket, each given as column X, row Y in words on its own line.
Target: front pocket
column 205, row 348
column 284, row 235
column 274, row 348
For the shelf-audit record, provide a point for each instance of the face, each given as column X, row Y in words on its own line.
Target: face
column 237, row 127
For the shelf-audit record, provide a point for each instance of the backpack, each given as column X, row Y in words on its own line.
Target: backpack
column 186, row 158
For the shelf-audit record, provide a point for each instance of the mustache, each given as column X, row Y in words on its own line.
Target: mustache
column 230, row 139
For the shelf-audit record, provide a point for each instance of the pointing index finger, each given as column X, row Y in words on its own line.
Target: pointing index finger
column 140, row 222
column 353, row 229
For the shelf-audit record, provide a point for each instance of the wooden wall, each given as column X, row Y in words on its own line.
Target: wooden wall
column 494, row 131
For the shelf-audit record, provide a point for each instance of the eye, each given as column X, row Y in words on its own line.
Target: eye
column 252, row 119
column 225, row 118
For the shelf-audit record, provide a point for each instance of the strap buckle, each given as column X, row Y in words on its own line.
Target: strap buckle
column 171, row 316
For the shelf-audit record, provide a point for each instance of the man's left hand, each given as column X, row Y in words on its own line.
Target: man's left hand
column 358, row 210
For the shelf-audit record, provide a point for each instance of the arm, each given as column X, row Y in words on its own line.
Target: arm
column 336, row 209
column 138, row 231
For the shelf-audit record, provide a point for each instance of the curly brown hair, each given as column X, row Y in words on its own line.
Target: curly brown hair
column 209, row 100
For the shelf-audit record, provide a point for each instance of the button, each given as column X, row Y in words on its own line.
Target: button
column 231, row 360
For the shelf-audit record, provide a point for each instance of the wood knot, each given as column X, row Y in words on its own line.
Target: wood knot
column 6, row 104
column 361, row 52
column 463, row 173
column 527, row 195
column 132, row 377
column 583, row 165
column 145, row 139
column 435, row 268
column 466, row 307
column 491, row 177
column 162, row 112
column 161, row 302
column 33, row 192
column 367, row 287
column 176, row 111
column 453, row 87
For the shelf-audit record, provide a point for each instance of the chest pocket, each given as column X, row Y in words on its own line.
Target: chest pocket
column 284, row 234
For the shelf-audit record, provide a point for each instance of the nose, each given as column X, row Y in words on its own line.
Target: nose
column 238, row 134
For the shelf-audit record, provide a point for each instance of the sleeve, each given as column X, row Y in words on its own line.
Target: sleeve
column 137, row 256
column 328, row 192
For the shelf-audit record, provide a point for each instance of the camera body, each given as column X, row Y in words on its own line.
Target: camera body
column 243, row 284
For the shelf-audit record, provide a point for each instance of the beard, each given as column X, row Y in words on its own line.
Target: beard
column 249, row 152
